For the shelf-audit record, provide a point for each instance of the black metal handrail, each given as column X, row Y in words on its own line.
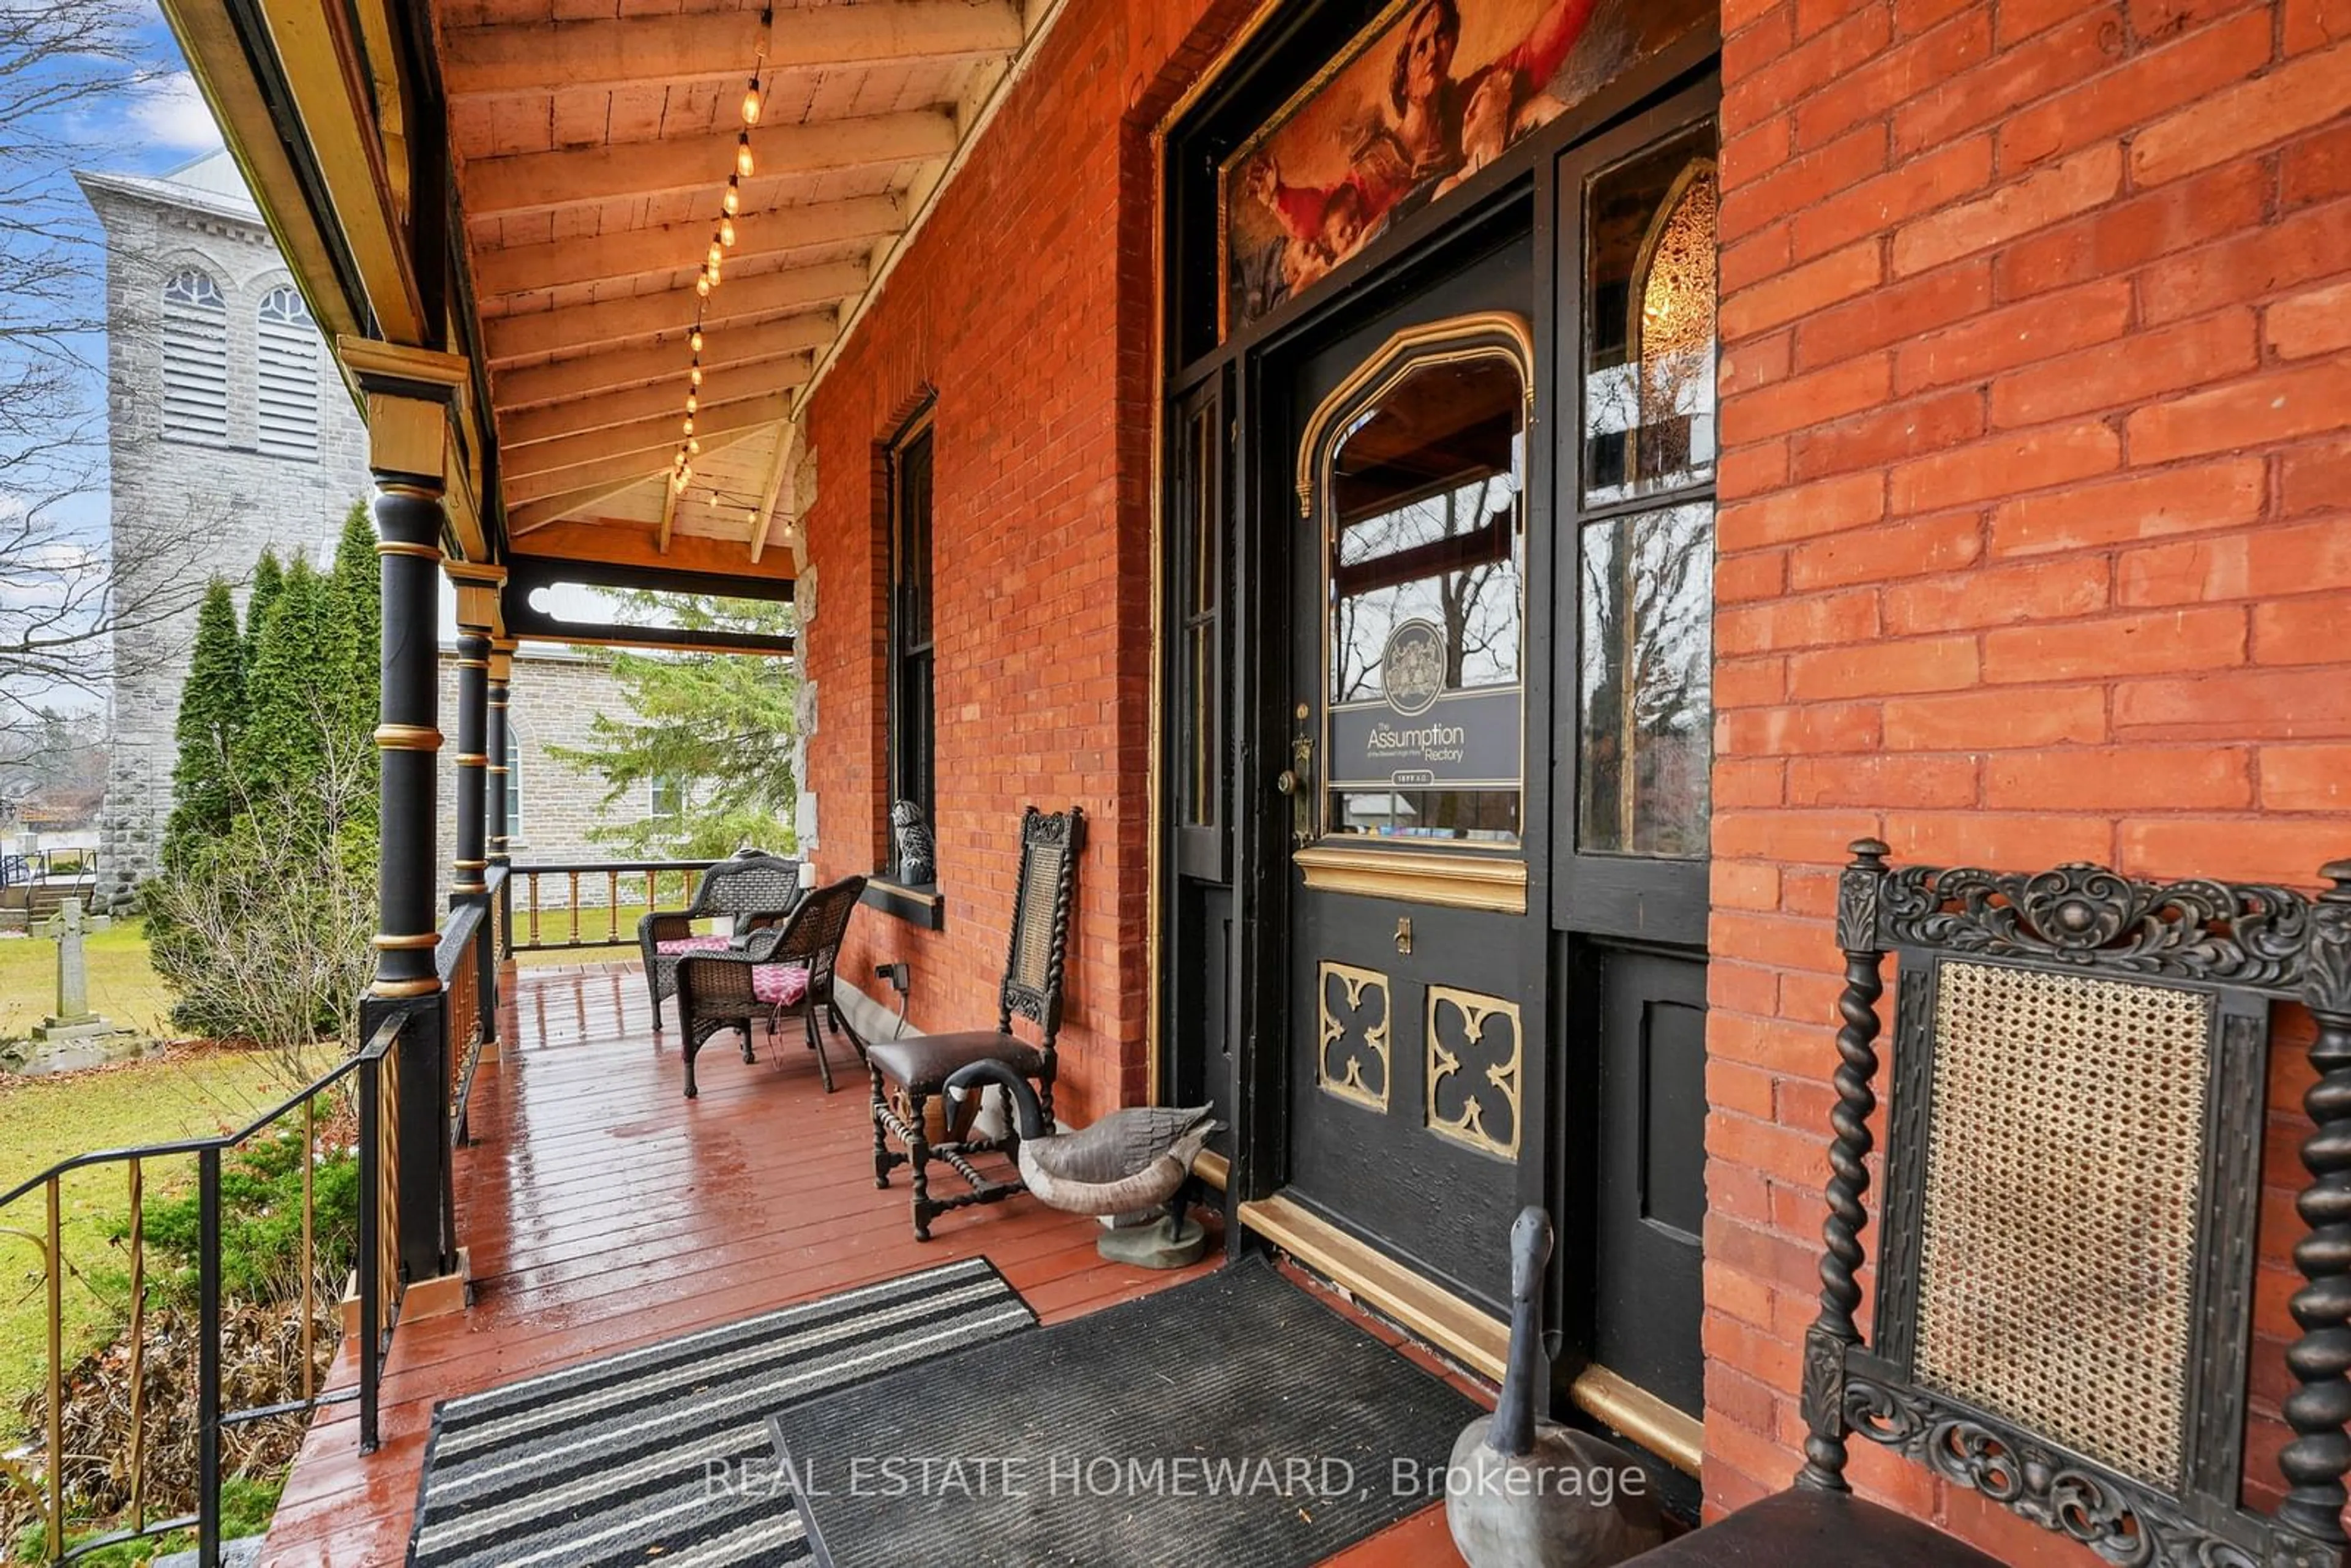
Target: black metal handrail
column 376, row 1068
column 527, row 939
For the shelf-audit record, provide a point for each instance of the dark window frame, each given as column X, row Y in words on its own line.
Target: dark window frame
column 913, row 739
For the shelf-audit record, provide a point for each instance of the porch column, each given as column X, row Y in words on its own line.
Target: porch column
column 408, row 393
column 501, row 685
column 477, row 595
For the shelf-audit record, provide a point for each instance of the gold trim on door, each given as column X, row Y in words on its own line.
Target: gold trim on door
column 1481, row 333
column 1349, row 1083
column 1457, row 879
column 1502, row 1078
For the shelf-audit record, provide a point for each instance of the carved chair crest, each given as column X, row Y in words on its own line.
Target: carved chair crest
column 2072, row 1178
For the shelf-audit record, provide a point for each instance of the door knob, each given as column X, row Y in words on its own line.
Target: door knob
column 1297, row 782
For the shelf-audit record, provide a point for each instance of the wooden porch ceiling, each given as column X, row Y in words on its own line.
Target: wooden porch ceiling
column 591, row 148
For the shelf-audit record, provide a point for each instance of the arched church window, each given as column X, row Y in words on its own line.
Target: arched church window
column 288, row 381
column 195, row 358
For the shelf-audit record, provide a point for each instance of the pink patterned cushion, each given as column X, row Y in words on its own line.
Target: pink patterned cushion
column 779, row 985
column 692, row 945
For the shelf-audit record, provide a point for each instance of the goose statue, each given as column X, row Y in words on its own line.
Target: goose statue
column 1133, row 1167
column 1525, row 1492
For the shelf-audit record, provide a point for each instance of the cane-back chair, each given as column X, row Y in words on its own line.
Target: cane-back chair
column 751, row 887
column 2063, row 1302
column 775, row 971
column 909, row 1074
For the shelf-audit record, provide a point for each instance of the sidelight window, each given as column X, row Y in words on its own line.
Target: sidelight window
column 1646, row 552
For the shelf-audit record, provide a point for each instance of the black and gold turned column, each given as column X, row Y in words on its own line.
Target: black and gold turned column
column 478, row 604
column 408, row 393
column 501, row 688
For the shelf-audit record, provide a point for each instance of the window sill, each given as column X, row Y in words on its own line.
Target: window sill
column 924, row 908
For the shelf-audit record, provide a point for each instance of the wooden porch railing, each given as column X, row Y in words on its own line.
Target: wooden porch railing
column 375, row 1073
column 628, row 887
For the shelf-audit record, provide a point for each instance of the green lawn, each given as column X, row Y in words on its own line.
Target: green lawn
column 123, row 984
column 597, row 926
column 185, row 1093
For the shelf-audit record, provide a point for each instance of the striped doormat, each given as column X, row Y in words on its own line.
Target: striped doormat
column 663, row 1454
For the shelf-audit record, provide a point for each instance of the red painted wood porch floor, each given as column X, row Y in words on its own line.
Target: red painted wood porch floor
column 602, row 1210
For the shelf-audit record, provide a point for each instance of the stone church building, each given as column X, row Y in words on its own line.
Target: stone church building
column 230, row 434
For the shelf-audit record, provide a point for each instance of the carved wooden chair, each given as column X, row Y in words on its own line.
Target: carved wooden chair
column 2063, row 1306
column 909, row 1074
column 751, row 886
column 774, row 971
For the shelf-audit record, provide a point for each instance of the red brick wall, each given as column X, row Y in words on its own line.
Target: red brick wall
column 1027, row 304
column 2032, row 533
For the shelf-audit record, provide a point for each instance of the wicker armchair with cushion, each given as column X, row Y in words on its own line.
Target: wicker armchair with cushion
column 771, row 972
column 751, row 886
column 918, row 1066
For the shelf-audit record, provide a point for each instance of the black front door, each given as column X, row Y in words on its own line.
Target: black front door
column 1415, row 968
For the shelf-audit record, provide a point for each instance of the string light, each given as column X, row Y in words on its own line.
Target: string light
column 722, row 240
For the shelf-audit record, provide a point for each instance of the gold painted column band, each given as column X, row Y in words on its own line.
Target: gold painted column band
column 408, row 942
column 422, row 552
column 472, row 759
column 421, row 988
column 407, row 738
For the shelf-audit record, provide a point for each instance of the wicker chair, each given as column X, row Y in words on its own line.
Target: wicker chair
column 2065, row 1302
column 774, row 971
column 752, row 886
column 919, row 1066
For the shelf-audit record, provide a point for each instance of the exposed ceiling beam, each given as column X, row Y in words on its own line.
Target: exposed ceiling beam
column 668, row 520
column 529, row 517
column 522, row 489
column 785, row 445
column 780, row 358
column 538, row 182
column 626, row 542
column 520, row 428
column 668, row 51
column 658, row 431
column 670, row 310
column 678, row 247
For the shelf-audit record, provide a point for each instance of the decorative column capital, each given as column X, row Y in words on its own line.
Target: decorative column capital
column 409, row 394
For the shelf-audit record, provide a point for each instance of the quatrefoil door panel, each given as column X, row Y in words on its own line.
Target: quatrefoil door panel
column 1475, row 1046
column 1357, row 1023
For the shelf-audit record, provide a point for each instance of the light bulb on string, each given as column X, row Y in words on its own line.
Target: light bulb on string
column 717, row 251
column 743, row 156
column 694, row 446
column 732, row 201
column 726, row 232
column 695, row 342
column 689, row 425
column 702, row 285
column 751, row 102
column 695, row 375
column 692, row 403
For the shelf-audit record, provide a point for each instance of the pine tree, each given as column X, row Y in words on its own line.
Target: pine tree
column 268, row 583
column 354, row 612
column 211, row 720
column 716, row 728
column 288, row 705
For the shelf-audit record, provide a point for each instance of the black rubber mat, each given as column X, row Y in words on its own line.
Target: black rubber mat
column 1232, row 1420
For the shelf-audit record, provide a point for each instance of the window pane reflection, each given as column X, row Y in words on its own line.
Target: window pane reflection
column 1649, row 355
column 1647, row 668
column 1426, row 607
